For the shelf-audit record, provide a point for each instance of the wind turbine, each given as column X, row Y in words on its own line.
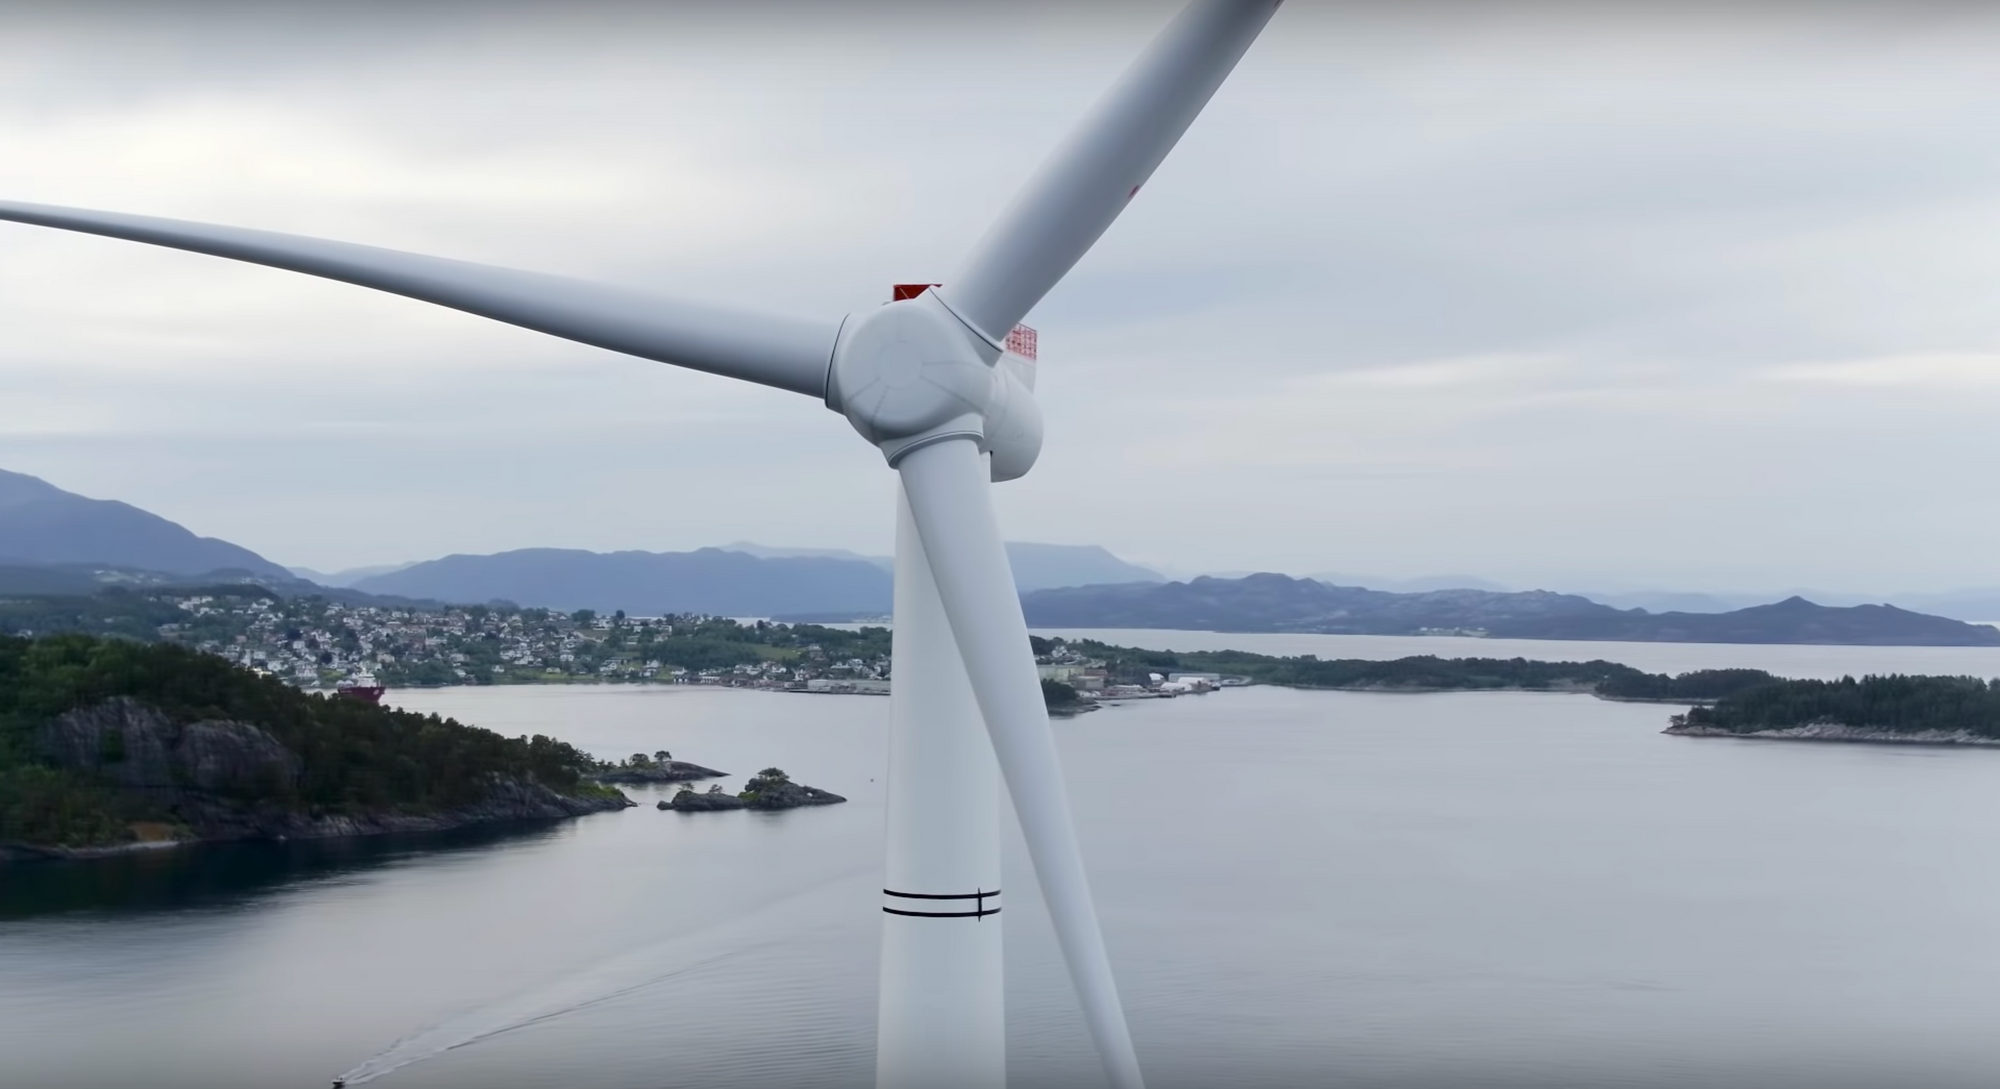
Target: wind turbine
column 929, row 381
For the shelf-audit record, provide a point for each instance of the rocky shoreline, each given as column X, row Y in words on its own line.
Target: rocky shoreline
column 220, row 821
column 1836, row 733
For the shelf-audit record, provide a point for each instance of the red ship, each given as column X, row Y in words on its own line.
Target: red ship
column 362, row 688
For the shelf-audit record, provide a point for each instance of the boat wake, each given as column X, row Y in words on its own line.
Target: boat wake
column 568, row 996
column 605, row 981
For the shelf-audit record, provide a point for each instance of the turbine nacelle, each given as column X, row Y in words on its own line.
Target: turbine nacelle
column 913, row 373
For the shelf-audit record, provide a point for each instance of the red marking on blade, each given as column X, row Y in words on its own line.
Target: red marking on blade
column 908, row 291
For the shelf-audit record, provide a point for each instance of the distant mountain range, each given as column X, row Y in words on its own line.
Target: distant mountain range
column 1050, row 566
column 1276, row 603
column 41, row 524
column 742, row 580
column 1403, row 586
column 708, row 580
column 53, row 541
column 347, row 577
column 1036, row 566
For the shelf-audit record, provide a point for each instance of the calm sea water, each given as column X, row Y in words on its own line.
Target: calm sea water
column 1299, row 888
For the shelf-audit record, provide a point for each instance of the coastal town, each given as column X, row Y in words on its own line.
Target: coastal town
column 320, row 644
column 316, row 643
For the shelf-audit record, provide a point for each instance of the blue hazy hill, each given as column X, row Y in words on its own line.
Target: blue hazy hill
column 43, row 524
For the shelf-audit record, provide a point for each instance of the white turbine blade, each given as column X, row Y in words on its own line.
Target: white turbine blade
column 784, row 352
column 1090, row 179
column 947, row 489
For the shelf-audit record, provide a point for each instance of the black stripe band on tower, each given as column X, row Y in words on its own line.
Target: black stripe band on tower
column 978, row 898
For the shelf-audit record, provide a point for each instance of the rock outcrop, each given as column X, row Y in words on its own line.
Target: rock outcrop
column 690, row 801
column 136, row 748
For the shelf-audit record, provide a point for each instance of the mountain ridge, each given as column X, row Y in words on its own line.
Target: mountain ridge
column 1037, row 565
column 42, row 525
column 1280, row 603
column 56, row 541
column 710, row 581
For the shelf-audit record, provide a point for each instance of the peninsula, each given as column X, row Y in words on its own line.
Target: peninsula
column 1886, row 710
column 1089, row 666
column 109, row 744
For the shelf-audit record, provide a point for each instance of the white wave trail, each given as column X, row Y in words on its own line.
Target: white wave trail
column 604, row 981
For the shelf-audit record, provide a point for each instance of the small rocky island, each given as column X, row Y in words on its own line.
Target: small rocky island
column 769, row 789
column 661, row 767
column 110, row 745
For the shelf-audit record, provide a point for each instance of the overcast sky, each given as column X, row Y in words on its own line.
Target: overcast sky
column 1578, row 297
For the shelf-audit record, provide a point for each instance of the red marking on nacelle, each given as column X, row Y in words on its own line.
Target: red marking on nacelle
column 1022, row 341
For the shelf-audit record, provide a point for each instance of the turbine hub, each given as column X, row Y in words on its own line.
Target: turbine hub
column 912, row 373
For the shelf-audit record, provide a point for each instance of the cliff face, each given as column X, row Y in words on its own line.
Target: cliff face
column 221, row 780
column 132, row 746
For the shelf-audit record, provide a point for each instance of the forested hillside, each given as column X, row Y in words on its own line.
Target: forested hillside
column 338, row 756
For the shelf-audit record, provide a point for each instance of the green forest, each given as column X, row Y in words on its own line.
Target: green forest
column 1893, row 704
column 356, row 757
column 115, row 610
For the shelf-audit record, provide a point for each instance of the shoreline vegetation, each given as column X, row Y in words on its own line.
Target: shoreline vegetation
column 110, row 744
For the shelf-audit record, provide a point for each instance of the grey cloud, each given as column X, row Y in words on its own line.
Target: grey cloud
column 1558, row 294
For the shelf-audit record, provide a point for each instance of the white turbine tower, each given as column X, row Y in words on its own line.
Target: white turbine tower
column 928, row 381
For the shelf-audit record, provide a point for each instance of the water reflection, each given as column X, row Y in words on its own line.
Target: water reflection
column 215, row 874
